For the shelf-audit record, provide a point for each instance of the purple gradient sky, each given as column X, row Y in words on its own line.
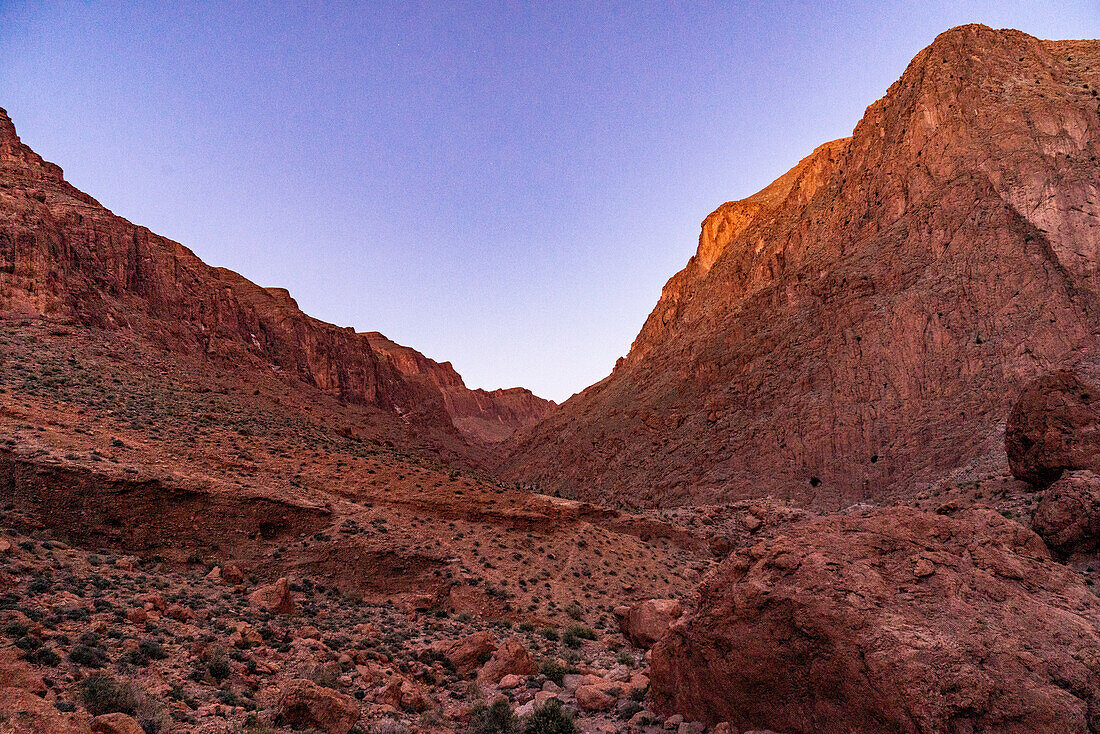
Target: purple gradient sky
column 500, row 185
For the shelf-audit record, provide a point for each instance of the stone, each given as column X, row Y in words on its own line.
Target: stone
column 593, row 698
column 1054, row 426
column 510, row 658
column 1067, row 516
column 302, row 704
column 116, row 723
column 405, row 695
column 470, row 652
column 830, row 619
column 510, row 681
column 275, row 598
column 22, row 712
column 646, row 622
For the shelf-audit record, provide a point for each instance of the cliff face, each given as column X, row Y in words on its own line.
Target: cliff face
column 865, row 320
column 65, row 257
column 488, row 416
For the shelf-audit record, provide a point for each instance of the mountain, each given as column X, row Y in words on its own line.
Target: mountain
column 859, row 327
column 66, row 258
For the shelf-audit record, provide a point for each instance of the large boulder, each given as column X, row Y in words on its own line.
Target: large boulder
column 1053, row 427
column 893, row 621
column 304, row 704
column 647, row 621
column 1068, row 514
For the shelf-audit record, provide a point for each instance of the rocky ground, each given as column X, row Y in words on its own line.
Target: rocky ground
column 92, row 633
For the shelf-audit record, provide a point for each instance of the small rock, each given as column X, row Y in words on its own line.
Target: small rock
column 116, row 724
column 674, row 721
column 510, row 681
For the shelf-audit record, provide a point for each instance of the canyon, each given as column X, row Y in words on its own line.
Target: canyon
column 843, row 480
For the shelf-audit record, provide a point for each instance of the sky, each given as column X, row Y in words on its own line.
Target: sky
column 506, row 186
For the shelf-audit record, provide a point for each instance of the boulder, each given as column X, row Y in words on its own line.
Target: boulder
column 275, row 598
column 830, row 628
column 593, row 698
column 1054, row 426
column 647, row 621
column 511, row 658
column 304, row 704
column 404, row 695
column 1068, row 514
column 468, row 653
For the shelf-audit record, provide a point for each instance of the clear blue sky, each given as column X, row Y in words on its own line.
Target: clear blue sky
column 506, row 186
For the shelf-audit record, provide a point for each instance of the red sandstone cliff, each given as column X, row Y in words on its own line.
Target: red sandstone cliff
column 865, row 320
column 65, row 257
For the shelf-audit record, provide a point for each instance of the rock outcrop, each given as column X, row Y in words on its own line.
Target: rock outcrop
column 276, row 598
column 1068, row 514
column 1053, row 427
column 893, row 621
column 865, row 321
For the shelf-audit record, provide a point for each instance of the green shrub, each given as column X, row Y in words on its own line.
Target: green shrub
column 550, row 718
column 89, row 656
column 103, row 694
column 555, row 671
column 495, row 719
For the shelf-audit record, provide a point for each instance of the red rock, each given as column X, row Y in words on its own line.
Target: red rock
column 275, row 598
column 304, row 704
column 115, row 275
column 22, row 712
column 116, row 724
column 1054, row 426
column 511, row 658
column 468, row 653
column 865, row 320
column 831, row 622
column 404, row 695
column 647, row 621
column 17, row 673
column 488, row 416
column 1068, row 514
column 593, row 698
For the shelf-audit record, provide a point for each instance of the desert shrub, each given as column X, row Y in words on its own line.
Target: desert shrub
column 550, row 718
column 89, row 656
column 152, row 650
column 495, row 719
column 102, row 694
column 554, row 670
